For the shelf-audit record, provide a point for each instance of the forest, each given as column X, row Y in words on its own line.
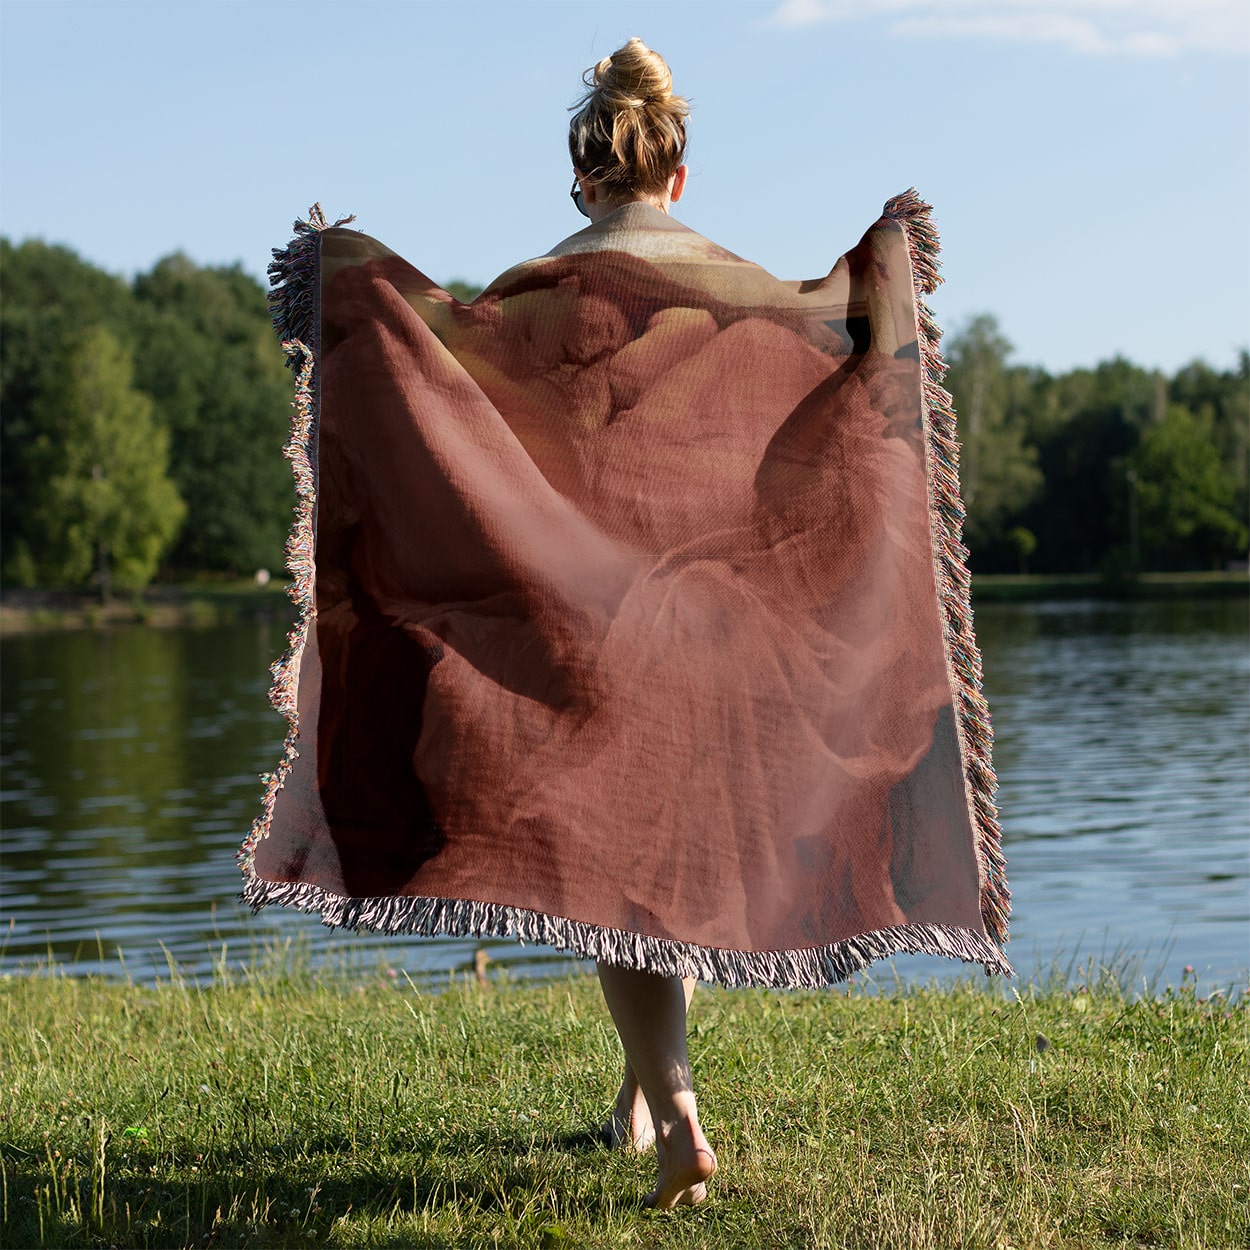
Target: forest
column 142, row 423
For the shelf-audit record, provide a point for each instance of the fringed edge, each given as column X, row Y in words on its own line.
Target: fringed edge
column 295, row 283
column 946, row 508
column 295, row 303
column 284, row 672
column 795, row 969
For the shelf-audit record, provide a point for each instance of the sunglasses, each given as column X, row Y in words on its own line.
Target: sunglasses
column 576, row 196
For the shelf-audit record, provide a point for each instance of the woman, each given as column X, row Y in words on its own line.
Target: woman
column 628, row 141
column 634, row 613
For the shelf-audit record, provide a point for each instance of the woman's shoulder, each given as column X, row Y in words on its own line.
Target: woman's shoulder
column 647, row 232
column 641, row 243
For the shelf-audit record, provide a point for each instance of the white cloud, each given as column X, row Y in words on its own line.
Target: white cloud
column 1139, row 28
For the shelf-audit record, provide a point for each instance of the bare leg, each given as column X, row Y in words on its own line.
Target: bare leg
column 629, row 1126
column 650, row 1015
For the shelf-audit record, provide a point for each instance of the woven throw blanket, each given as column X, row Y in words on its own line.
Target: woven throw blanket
column 634, row 614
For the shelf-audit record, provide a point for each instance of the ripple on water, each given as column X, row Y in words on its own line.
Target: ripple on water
column 1120, row 730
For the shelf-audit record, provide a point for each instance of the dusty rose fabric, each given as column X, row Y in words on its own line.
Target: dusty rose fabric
column 627, row 612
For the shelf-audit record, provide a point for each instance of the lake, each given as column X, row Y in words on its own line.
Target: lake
column 1122, row 743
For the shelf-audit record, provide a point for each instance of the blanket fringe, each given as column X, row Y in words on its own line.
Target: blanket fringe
column 976, row 737
column 295, row 304
column 295, row 283
column 793, row 969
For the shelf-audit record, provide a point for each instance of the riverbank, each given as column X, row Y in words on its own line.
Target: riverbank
column 165, row 606
column 277, row 1108
column 996, row 587
column 218, row 603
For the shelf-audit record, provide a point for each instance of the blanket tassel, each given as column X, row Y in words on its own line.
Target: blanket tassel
column 954, row 581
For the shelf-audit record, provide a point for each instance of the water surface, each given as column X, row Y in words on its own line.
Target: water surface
column 131, row 759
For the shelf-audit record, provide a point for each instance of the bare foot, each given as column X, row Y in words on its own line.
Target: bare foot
column 629, row 1126
column 686, row 1164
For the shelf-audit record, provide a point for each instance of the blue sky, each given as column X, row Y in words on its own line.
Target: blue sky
column 1088, row 160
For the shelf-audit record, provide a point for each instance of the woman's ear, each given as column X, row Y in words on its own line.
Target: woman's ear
column 679, row 183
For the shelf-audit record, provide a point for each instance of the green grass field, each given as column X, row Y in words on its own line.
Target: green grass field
column 281, row 1108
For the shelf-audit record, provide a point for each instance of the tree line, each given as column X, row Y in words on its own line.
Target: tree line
column 141, row 423
column 1112, row 470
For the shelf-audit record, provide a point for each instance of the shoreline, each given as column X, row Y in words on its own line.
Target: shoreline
column 162, row 607
column 1017, row 587
column 194, row 604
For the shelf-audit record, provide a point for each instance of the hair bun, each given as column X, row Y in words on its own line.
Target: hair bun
column 630, row 129
column 633, row 76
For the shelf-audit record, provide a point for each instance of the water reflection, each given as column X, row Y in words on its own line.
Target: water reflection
column 131, row 762
column 1123, row 735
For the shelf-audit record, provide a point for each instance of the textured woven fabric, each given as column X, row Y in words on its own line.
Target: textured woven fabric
column 635, row 615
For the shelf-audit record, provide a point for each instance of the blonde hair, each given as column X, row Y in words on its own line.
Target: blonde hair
column 629, row 132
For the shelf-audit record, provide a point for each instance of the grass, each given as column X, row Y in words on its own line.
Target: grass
column 282, row 1107
column 996, row 587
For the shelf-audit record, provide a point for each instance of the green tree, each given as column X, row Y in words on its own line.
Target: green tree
column 1223, row 399
column 997, row 466
column 1024, row 543
column 51, row 296
column 208, row 358
column 103, row 506
column 1186, row 493
column 1087, row 423
column 465, row 292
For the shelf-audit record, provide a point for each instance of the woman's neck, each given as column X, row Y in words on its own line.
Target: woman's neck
column 602, row 208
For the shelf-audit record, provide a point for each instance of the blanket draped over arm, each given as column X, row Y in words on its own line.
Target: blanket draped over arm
column 634, row 612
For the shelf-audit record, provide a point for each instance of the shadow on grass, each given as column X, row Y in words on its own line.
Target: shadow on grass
column 288, row 1195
